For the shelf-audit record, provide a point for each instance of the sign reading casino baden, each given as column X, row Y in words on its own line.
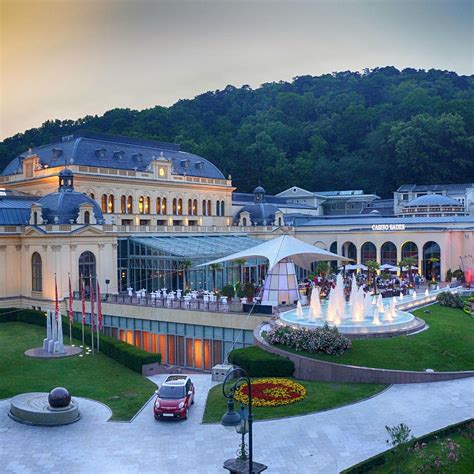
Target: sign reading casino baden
column 388, row 227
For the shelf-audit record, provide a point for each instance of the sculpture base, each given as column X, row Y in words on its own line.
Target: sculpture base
column 33, row 409
column 40, row 353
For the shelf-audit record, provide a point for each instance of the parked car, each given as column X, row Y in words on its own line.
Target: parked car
column 174, row 398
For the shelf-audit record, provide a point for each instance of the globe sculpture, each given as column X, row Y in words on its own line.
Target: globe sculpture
column 59, row 397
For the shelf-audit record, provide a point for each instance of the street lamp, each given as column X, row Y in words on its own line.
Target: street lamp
column 107, row 281
column 242, row 422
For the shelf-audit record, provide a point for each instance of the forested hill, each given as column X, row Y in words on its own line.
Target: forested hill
column 346, row 130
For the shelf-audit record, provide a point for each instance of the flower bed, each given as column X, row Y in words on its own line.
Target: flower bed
column 322, row 339
column 271, row 392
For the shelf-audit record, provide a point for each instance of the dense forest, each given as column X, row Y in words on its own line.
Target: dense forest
column 347, row 130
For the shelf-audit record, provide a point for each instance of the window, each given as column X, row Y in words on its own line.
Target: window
column 218, row 208
column 190, row 207
column 141, row 207
column 209, row 208
column 164, row 209
column 104, row 203
column 180, row 206
column 36, row 272
column 92, row 196
column 129, row 205
column 35, row 218
column 204, row 207
column 123, row 204
column 87, row 270
column 404, row 197
column 111, row 204
column 158, row 205
column 87, row 217
column 147, row 205
column 175, row 206
column 222, row 208
column 195, row 207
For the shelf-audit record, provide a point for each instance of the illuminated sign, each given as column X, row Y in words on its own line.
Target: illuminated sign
column 388, row 227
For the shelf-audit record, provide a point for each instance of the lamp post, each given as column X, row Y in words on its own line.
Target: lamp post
column 107, row 281
column 242, row 422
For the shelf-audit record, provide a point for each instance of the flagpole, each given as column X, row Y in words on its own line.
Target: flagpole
column 83, row 308
column 92, row 312
column 70, row 310
column 99, row 305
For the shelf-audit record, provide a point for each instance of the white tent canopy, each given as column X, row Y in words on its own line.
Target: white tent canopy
column 280, row 248
column 359, row 266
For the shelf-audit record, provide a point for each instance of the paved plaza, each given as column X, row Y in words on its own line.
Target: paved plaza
column 323, row 442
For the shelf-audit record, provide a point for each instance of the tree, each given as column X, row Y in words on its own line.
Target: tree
column 185, row 265
column 240, row 262
column 409, row 263
column 215, row 267
column 399, row 442
column 373, row 266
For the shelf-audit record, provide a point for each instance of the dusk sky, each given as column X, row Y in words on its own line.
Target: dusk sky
column 66, row 59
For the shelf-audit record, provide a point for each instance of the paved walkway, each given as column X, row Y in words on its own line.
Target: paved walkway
column 324, row 442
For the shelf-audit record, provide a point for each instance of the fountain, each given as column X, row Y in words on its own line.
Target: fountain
column 364, row 314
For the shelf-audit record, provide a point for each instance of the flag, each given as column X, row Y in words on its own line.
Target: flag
column 56, row 299
column 92, row 304
column 70, row 300
column 83, row 298
column 99, row 307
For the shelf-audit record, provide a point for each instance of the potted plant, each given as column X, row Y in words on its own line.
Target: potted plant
column 433, row 282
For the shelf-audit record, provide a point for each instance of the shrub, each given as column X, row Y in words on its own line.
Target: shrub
column 459, row 274
column 249, row 290
column 449, row 299
column 129, row 356
column 324, row 339
column 259, row 363
column 228, row 290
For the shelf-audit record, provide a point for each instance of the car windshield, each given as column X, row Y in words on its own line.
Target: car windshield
column 167, row 391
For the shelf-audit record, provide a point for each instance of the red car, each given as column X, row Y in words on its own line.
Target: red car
column 174, row 398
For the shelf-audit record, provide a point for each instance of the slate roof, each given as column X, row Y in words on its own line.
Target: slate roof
column 110, row 151
column 243, row 198
column 15, row 207
column 405, row 188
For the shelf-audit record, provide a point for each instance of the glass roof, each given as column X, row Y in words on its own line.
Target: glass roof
column 198, row 246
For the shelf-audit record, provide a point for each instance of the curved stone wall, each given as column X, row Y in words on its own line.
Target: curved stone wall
column 307, row 368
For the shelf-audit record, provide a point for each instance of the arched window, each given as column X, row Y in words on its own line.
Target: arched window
column 130, row 205
column 204, row 207
column 209, row 208
column 123, row 204
column 280, row 222
column 164, row 206
column 180, row 206
column 111, row 204
column 140, row 205
column 158, row 205
column 431, row 260
column 349, row 250
column 87, row 217
column 368, row 252
column 35, row 218
column 175, row 207
column 333, row 249
column 244, row 222
column 92, row 196
column 388, row 254
column 195, row 207
column 410, row 250
column 223, row 208
column 36, row 272
column 87, row 270
column 147, row 205
column 218, row 208
column 104, row 203
column 190, row 207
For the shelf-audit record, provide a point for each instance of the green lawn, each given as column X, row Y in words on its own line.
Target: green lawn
column 320, row 396
column 413, row 462
column 446, row 346
column 98, row 377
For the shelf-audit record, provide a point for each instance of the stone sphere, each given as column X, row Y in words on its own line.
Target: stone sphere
column 59, row 397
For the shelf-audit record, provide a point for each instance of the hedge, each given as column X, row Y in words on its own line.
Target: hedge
column 381, row 459
column 259, row 363
column 129, row 356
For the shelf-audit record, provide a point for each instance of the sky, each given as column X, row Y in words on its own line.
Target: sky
column 69, row 58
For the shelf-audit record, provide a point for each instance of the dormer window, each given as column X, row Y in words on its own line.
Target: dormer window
column 199, row 165
column 137, row 157
column 185, row 164
column 100, row 153
column 57, row 152
column 119, row 155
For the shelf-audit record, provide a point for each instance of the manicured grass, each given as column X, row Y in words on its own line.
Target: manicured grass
column 413, row 462
column 320, row 396
column 99, row 377
column 446, row 346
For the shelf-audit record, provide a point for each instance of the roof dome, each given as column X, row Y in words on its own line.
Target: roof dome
column 260, row 214
column 63, row 206
column 259, row 189
column 430, row 200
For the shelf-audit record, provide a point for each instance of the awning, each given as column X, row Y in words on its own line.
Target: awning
column 284, row 247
